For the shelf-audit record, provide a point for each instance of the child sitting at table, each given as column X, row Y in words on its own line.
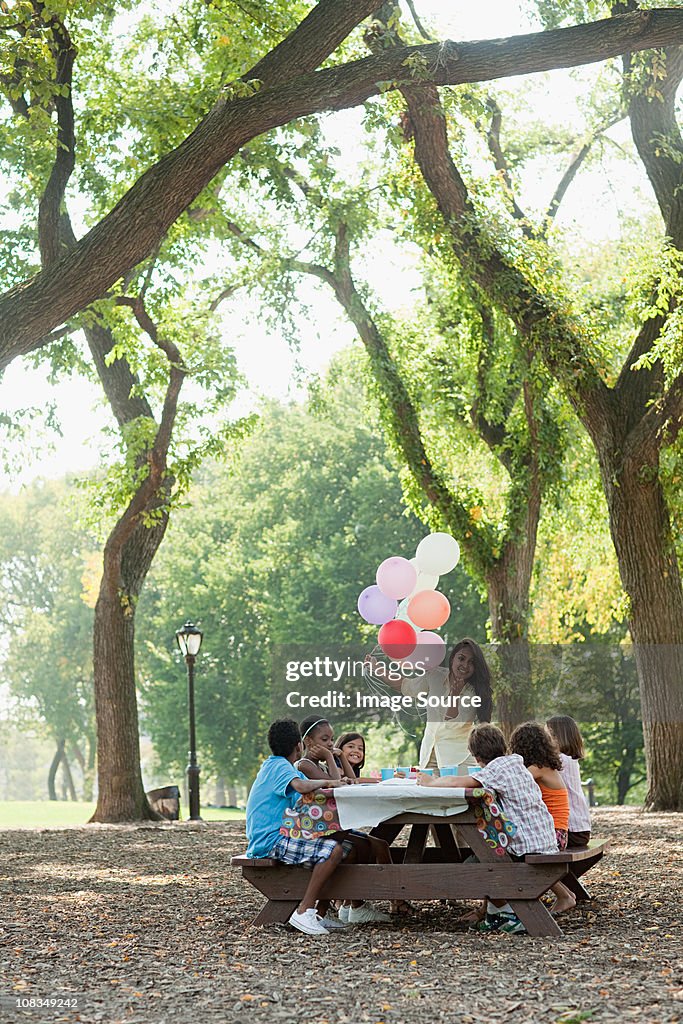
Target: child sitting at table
column 519, row 798
column 320, row 762
column 351, row 747
column 276, row 787
column 539, row 752
column 567, row 735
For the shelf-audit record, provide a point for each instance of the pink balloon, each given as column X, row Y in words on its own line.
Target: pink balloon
column 397, row 639
column 396, row 577
column 428, row 609
column 430, row 651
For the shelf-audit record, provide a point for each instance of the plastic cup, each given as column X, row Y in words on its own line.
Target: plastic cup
column 450, row 770
column 405, row 770
column 387, row 773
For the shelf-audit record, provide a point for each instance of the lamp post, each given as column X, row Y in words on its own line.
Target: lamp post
column 189, row 641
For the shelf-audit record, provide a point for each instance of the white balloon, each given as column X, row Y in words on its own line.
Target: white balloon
column 402, row 613
column 438, row 553
column 425, row 581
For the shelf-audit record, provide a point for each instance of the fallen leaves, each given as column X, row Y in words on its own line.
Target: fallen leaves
column 99, row 912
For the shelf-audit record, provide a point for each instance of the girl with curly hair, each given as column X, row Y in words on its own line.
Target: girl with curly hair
column 540, row 754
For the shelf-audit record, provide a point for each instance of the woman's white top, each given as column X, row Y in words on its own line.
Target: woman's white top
column 579, row 811
column 446, row 737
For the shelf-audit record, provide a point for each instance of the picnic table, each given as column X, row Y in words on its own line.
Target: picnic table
column 419, row 872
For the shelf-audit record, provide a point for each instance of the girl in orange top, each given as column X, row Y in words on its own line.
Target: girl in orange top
column 542, row 758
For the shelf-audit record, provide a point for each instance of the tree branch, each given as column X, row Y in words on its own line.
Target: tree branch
column 111, row 248
column 65, row 151
column 655, row 131
column 501, row 164
column 657, row 136
column 660, row 426
column 574, row 165
column 494, row 434
column 400, row 409
column 418, row 24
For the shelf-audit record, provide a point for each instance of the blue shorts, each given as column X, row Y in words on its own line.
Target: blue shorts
column 307, row 852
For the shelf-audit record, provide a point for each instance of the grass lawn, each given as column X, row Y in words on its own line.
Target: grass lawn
column 48, row 813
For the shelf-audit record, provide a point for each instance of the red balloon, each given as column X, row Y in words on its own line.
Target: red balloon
column 397, row 639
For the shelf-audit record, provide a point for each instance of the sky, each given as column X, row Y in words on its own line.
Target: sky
column 390, row 273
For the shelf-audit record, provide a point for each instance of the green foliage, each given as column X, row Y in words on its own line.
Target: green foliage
column 45, row 561
column 274, row 553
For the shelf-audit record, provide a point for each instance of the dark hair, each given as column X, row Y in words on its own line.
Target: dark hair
column 567, row 735
column 283, row 737
column 346, row 738
column 486, row 743
column 309, row 726
column 536, row 746
column 481, row 678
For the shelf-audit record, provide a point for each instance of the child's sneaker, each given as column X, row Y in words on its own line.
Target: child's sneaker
column 343, row 914
column 491, row 923
column 510, row 924
column 332, row 924
column 308, row 922
column 366, row 915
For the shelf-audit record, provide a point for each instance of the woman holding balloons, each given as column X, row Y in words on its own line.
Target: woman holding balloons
column 407, row 636
column 449, row 723
column 450, row 720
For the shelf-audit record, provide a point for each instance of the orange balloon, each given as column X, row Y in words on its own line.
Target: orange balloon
column 428, row 609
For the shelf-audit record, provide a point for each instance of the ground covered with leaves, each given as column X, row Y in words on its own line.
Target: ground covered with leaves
column 152, row 924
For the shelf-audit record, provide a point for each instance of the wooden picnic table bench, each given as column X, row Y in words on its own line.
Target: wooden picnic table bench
column 419, row 872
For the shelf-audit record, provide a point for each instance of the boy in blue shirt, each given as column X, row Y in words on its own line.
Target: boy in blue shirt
column 277, row 786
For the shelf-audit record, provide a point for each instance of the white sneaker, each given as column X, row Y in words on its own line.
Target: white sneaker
column 331, row 923
column 366, row 915
column 308, row 922
column 343, row 914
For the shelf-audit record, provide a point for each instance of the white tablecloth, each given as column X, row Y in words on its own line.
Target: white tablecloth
column 367, row 805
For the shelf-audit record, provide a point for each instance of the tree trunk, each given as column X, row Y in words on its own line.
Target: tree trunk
column 641, row 532
column 121, row 795
column 508, row 611
column 508, row 585
column 52, row 773
column 69, row 788
column 232, row 795
column 89, row 770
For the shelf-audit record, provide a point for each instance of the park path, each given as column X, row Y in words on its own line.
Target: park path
column 150, row 924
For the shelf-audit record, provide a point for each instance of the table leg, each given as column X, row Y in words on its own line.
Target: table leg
column 445, row 840
column 386, row 832
column 533, row 914
column 575, row 871
column 576, row 887
column 416, row 844
column 276, row 912
column 535, row 917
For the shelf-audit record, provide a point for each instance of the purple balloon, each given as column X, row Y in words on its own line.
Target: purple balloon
column 376, row 607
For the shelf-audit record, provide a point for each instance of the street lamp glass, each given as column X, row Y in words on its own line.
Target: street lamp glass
column 189, row 639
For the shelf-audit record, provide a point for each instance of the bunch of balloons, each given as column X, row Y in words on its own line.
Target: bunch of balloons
column 406, row 605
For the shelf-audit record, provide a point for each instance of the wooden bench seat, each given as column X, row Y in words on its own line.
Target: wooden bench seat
column 572, row 856
column 435, row 873
column 579, row 860
column 254, row 862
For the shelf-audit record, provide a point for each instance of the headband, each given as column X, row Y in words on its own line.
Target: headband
column 319, row 722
